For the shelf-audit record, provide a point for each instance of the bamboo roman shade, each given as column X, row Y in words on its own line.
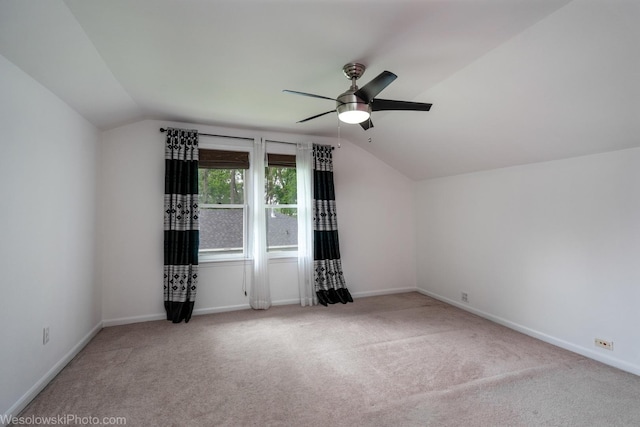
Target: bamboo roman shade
column 281, row 160
column 222, row 159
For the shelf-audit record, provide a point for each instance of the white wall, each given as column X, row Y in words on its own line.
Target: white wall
column 375, row 216
column 549, row 248
column 48, row 183
column 375, row 205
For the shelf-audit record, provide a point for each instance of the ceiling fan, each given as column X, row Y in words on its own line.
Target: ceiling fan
column 355, row 105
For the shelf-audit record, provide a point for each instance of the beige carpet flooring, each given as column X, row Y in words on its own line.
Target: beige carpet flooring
column 396, row 360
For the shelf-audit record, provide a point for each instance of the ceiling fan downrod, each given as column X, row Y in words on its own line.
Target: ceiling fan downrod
column 350, row 108
column 353, row 71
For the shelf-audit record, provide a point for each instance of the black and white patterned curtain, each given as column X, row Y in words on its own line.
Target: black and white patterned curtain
column 181, row 231
column 328, row 276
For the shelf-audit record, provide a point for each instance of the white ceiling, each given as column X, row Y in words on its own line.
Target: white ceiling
column 512, row 81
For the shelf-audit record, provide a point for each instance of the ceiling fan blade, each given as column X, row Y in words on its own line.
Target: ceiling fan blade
column 389, row 104
column 367, row 124
column 375, row 86
column 308, row 94
column 316, row 116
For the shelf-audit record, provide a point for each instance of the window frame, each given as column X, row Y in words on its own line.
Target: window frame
column 247, row 144
column 233, row 144
column 278, row 147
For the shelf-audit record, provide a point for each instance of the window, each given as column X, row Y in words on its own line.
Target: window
column 225, row 185
column 281, row 202
column 222, row 198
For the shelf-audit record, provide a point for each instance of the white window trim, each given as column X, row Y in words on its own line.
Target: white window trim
column 246, row 145
column 276, row 147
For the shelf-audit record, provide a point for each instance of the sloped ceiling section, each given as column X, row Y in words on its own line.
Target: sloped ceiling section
column 45, row 40
column 512, row 81
column 566, row 87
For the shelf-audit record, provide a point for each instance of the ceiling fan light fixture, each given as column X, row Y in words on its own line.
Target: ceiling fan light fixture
column 353, row 113
column 351, row 109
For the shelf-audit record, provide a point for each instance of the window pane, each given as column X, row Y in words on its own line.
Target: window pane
column 281, row 186
column 221, row 229
column 220, row 186
column 282, row 228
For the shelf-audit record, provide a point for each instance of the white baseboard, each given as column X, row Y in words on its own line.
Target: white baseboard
column 223, row 309
column 162, row 316
column 211, row 310
column 383, row 292
column 583, row 351
column 26, row 398
column 286, row 301
column 133, row 319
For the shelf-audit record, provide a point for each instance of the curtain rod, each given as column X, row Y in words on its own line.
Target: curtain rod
column 239, row 137
column 221, row 136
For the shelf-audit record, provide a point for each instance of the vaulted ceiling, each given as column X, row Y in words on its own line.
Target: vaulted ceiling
column 512, row 81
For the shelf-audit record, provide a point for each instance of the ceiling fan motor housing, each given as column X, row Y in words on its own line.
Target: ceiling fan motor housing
column 352, row 109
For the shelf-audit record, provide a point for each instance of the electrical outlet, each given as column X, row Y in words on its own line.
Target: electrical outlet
column 45, row 335
column 604, row 344
column 464, row 297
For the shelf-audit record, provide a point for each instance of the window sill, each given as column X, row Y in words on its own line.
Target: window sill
column 283, row 255
column 230, row 260
column 276, row 257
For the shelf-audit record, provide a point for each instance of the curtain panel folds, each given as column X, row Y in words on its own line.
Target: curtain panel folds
column 259, row 292
column 181, row 228
column 304, row 180
column 328, row 276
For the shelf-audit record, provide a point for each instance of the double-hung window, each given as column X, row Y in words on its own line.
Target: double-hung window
column 281, row 202
column 225, row 184
column 223, row 193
